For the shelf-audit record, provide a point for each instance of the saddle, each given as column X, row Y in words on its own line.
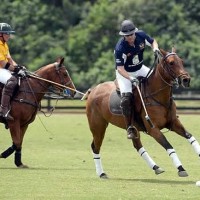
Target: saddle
column 115, row 102
column 115, row 99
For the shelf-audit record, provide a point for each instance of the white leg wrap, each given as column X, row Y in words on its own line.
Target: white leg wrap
column 98, row 165
column 195, row 145
column 146, row 157
column 174, row 157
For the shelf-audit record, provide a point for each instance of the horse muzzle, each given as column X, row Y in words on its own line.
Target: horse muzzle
column 184, row 80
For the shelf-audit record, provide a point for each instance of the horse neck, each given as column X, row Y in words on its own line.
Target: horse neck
column 158, row 87
column 37, row 89
column 40, row 86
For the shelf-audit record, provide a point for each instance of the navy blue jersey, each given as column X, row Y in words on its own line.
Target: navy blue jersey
column 131, row 57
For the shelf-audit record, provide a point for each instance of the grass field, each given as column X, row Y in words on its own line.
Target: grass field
column 57, row 150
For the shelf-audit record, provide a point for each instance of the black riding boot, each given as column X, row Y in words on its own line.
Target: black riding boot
column 6, row 96
column 127, row 110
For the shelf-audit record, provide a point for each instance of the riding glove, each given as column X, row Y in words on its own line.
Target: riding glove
column 21, row 73
column 156, row 52
column 134, row 81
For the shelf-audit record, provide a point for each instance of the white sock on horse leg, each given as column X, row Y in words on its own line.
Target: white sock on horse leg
column 146, row 157
column 194, row 144
column 174, row 157
column 98, row 164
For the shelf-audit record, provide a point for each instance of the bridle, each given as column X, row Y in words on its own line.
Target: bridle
column 168, row 69
column 61, row 76
column 163, row 67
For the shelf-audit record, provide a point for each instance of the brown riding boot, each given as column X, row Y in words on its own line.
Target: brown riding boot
column 6, row 96
column 5, row 107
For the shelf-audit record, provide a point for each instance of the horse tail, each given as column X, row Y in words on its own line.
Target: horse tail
column 85, row 96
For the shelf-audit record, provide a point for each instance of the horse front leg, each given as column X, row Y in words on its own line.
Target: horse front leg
column 161, row 139
column 97, row 161
column 11, row 150
column 179, row 129
column 8, row 151
column 17, row 134
column 97, row 127
column 144, row 154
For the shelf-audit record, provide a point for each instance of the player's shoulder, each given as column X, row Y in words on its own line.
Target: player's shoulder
column 140, row 33
column 120, row 44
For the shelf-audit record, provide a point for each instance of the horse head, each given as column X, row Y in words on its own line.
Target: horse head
column 173, row 70
column 57, row 73
column 64, row 77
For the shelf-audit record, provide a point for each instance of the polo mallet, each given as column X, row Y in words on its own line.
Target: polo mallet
column 146, row 116
column 57, row 84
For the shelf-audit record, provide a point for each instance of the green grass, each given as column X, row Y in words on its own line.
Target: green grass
column 57, row 150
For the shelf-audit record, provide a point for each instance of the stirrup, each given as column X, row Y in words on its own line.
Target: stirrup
column 132, row 132
column 9, row 117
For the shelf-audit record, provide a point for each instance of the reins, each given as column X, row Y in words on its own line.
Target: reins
column 156, row 62
column 53, row 83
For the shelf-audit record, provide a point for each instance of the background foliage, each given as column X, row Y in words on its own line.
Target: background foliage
column 85, row 33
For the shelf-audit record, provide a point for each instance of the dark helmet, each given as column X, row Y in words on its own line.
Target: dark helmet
column 6, row 28
column 127, row 28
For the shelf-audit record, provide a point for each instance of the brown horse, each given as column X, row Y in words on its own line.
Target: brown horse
column 103, row 107
column 26, row 102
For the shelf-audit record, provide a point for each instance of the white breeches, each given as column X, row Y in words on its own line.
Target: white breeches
column 4, row 75
column 124, row 84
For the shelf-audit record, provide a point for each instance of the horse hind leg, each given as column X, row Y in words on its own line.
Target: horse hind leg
column 98, row 128
column 18, row 161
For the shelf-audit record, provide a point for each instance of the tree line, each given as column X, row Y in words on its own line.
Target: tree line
column 85, row 33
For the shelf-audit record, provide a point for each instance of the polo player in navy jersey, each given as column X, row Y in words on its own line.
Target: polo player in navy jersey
column 129, row 65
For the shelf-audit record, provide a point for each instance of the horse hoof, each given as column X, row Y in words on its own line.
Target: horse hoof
column 159, row 171
column 23, row 166
column 182, row 173
column 103, row 176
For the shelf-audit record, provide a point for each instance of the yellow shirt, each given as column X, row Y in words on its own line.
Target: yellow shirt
column 4, row 51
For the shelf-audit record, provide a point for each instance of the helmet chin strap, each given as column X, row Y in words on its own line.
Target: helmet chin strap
column 1, row 36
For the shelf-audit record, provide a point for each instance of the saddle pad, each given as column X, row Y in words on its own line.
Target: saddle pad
column 114, row 103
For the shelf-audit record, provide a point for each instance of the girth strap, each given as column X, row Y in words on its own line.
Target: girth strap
column 27, row 102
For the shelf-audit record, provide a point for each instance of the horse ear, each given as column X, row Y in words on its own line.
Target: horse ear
column 61, row 61
column 173, row 49
column 164, row 53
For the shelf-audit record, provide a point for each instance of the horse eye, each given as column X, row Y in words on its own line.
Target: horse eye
column 171, row 63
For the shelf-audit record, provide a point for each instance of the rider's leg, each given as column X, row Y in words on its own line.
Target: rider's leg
column 6, row 96
column 127, row 110
column 127, row 104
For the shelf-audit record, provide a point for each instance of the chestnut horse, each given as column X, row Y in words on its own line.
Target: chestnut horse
column 26, row 103
column 158, row 103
